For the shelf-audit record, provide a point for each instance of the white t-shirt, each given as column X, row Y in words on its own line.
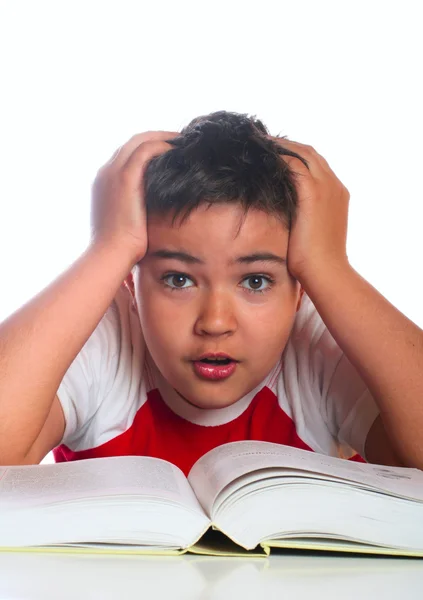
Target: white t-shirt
column 115, row 400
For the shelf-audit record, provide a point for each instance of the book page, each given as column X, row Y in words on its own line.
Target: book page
column 224, row 464
column 32, row 485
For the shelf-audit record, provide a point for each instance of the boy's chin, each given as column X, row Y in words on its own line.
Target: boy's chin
column 207, row 404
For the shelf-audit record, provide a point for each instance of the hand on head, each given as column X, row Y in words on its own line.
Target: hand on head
column 319, row 232
column 118, row 213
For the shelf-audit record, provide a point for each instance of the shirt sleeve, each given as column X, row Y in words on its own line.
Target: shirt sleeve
column 92, row 374
column 350, row 408
column 346, row 405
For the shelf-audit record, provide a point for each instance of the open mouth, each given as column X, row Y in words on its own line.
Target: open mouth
column 215, row 368
column 216, row 361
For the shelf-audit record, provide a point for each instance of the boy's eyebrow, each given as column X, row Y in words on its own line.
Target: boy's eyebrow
column 248, row 259
column 261, row 257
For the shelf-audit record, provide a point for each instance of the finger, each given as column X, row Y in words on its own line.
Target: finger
column 292, row 144
column 312, row 155
column 303, row 149
column 296, row 166
column 313, row 158
column 134, row 167
column 292, row 157
column 122, row 154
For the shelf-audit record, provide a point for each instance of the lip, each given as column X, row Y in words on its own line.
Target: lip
column 214, row 372
column 214, row 355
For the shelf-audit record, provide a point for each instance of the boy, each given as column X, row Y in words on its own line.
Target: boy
column 232, row 237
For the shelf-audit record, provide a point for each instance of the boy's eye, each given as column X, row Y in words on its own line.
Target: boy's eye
column 255, row 283
column 177, row 281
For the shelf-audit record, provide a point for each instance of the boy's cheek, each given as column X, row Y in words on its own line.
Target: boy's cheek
column 162, row 322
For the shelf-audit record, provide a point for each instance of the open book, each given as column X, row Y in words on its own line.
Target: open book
column 257, row 494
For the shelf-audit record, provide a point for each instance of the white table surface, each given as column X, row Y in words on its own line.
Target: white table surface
column 25, row 576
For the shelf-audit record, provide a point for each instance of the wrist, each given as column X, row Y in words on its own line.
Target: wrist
column 321, row 269
column 123, row 255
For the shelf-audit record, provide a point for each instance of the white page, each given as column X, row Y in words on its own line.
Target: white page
column 33, row 485
column 222, row 465
column 265, row 477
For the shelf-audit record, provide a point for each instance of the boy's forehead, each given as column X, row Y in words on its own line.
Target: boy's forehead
column 218, row 226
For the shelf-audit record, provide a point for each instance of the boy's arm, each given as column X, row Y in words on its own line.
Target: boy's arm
column 384, row 346
column 387, row 350
column 40, row 340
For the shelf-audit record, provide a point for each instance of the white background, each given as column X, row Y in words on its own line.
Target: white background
column 78, row 78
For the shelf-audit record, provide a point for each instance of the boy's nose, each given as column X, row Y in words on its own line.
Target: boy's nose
column 216, row 316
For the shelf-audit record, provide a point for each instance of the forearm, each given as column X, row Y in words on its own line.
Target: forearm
column 39, row 341
column 384, row 346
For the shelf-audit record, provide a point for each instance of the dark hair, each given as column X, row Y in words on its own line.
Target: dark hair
column 222, row 157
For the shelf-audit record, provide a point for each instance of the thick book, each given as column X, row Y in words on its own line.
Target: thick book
column 254, row 495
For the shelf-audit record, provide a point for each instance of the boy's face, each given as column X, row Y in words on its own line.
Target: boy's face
column 216, row 297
